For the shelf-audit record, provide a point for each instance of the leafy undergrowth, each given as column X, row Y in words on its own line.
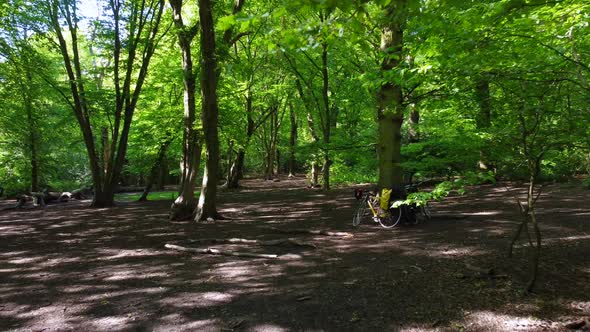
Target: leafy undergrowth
column 152, row 196
column 68, row 267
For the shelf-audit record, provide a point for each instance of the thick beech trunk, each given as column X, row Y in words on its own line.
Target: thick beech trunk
column 185, row 204
column 390, row 109
column 104, row 197
column 207, row 206
column 236, row 170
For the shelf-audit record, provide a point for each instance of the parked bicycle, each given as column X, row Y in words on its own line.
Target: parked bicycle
column 370, row 202
column 389, row 214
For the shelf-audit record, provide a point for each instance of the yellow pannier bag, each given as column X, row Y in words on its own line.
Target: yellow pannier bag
column 384, row 199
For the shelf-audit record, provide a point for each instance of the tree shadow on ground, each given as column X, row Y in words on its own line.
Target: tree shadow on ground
column 69, row 267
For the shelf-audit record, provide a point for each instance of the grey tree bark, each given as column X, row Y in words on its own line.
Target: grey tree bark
column 389, row 99
column 185, row 204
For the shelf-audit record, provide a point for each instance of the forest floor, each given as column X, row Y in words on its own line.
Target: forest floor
column 67, row 267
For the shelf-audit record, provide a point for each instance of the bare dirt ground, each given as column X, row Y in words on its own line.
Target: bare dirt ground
column 66, row 267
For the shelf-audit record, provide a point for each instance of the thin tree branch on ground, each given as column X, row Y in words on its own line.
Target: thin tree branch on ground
column 214, row 251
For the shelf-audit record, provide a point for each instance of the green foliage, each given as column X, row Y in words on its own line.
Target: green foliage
column 152, row 196
column 439, row 192
column 533, row 58
column 443, row 189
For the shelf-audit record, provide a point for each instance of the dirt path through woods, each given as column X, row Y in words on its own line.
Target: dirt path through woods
column 70, row 268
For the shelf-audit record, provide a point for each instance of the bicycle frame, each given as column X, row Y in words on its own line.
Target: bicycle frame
column 387, row 218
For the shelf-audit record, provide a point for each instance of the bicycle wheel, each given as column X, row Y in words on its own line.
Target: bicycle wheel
column 359, row 213
column 393, row 217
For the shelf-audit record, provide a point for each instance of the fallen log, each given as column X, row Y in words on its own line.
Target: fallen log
column 82, row 193
column 276, row 242
column 41, row 198
column 311, row 231
column 214, row 251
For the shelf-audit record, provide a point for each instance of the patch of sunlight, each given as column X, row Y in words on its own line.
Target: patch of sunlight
column 198, row 300
column 124, row 275
column 574, row 238
column 251, row 275
column 57, row 261
column 14, row 230
column 451, row 252
column 231, row 272
column 267, row 328
column 112, row 254
column 107, row 293
column 198, row 325
column 316, row 275
column 581, row 307
column 483, row 213
column 27, row 260
column 14, row 253
column 417, row 329
column 500, row 322
column 84, row 288
column 51, row 315
column 108, row 323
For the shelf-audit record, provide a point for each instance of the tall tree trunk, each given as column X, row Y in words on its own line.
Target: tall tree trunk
column 484, row 116
column 185, row 204
column 292, row 141
column 207, row 206
column 327, row 126
column 536, row 250
column 310, row 121
column 163, row 173
column 413, row 133
column 104, row 197
column 156, row 168
column 272, row 143
column 277, row 161
column 105, row 147
column 237, row 169
column 33, row 131
column 230, row 152
column 390, row 109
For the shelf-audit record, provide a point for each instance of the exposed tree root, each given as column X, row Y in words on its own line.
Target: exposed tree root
column 312, row 231
column 213, row 251
column 276, row 242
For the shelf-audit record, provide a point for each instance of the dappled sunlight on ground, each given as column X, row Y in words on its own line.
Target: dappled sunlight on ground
column 68, row 267
column 492, row 321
